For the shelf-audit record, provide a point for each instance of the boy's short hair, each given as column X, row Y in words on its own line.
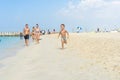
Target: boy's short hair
column 63, row 25
column 26, row 24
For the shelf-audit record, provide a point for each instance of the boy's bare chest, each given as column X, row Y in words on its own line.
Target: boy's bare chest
column 63, row 32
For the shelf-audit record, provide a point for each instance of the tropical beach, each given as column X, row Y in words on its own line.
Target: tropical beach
column 60, row 40
column 88, row 56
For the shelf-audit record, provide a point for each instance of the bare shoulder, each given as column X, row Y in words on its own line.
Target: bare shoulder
column 66, row 31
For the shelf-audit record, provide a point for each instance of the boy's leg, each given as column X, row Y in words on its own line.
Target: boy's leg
column 65, row 41
column 62, row 44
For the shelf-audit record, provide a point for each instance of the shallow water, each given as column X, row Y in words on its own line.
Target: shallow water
column 9, row 46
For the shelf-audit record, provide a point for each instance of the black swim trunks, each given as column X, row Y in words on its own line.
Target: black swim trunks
column 26, row 36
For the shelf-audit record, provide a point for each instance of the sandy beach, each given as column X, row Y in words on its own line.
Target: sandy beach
column 87, row 56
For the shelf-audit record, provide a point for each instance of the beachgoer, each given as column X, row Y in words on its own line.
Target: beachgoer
column 48, row 31
column 78, row 29
column 21, row 35
column 98, row 30
column 43, row 32
column 53, row 31
column 37, row 33
column 64, row 35
column 26, row 34
column 33, row 33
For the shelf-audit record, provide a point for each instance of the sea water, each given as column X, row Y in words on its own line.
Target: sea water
column 9, row 46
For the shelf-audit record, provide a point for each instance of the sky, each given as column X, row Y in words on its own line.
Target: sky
column 49, row 14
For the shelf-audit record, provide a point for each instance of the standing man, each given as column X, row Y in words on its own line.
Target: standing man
column 26, row 32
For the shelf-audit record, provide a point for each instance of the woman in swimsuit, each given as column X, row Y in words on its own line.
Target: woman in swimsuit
column 37, row 33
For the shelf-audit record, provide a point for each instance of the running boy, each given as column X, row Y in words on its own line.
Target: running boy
column 64, row 35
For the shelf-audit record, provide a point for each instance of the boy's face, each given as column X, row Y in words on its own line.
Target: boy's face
column 62, row 27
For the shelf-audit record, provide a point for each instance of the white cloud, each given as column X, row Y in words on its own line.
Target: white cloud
column 96, row 9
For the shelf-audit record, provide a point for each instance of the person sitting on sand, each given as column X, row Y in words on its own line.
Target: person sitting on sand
column 33, row 33
column 64, row 35
column 26, row 34
column 37, row 33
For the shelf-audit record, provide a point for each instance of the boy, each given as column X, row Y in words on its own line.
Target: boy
column 64, row 35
